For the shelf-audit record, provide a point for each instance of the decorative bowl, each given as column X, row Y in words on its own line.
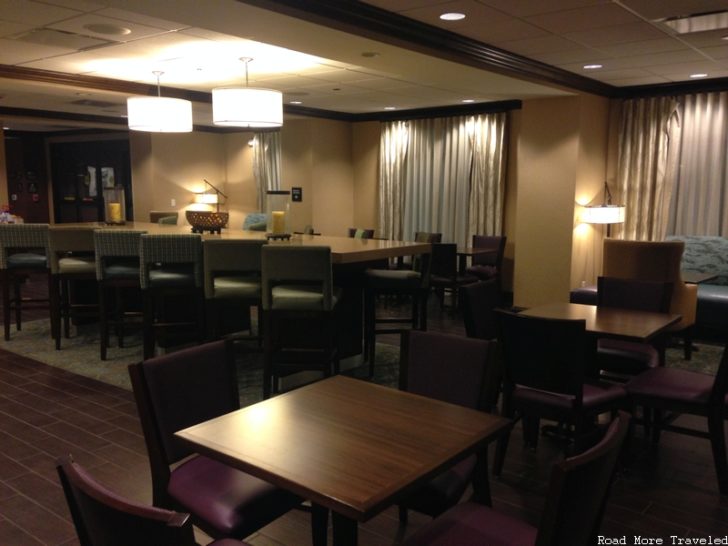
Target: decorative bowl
column 202, row 220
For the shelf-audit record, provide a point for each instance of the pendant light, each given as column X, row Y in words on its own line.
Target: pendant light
column 159, row 114
column 247, row 106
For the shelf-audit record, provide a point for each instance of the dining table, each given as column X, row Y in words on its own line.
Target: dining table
column 349, row 446
column 464, row 252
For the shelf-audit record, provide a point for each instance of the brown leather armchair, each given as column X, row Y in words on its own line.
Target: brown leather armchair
column 655, row 261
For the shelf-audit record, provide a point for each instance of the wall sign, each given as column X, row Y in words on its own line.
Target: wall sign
column 297, row 194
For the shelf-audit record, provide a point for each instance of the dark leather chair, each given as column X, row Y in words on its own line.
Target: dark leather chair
column 182, row 389
column 452, row 369
column 575, row 502
column 444, row 275
column 103, row 518
column 478, row 302
column 544, row 376
column 23, row 251
column 117, row 271
column 488, row 266
column 358, row 233
column 666, row 393
column 617, row 357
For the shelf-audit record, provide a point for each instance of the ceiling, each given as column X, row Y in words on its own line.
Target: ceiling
column 112, row 47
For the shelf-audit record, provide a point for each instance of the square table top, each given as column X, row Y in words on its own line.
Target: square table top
column 346, row 444
column 609, row 321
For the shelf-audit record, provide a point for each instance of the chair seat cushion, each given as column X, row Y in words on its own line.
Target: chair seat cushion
column 443, row 491
column 470, row 524
column 672, row 384
column 228, row 542
column 77, row 265
column 122, row 268
column 171, row 276
column 27, row 260
column 236, row 286
column 483, row 272
column 593, row 396
column 394, row 280
column 296, row 297
column 231, row 501
column 620, row 356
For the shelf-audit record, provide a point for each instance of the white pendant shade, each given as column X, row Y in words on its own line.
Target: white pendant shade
column 159, row 114
column 604, row 214
column 247, row 107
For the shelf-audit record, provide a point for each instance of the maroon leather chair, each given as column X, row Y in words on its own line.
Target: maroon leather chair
column 182, row 389
column 488, row 266
column 478, row 302
column 452, row 369
column 575, row 503
column 103, row 518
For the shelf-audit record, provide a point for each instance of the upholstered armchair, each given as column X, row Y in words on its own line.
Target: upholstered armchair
column 655, row 261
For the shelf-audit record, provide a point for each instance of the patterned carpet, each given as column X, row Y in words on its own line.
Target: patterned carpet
column 80, row 354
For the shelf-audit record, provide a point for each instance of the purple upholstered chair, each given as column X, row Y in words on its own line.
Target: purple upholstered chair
column 575, row 503
column 453, row 369
column 686, row 392
column 444, row 273
column 544, row 376
column 488, row 266
column 477, row 304
column 182, row 389
column 103, row 518
column 624, row 357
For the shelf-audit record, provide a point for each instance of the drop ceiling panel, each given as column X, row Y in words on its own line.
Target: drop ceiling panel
column 525, row 8
column 580, row 19
column 644, row 47
column 652, row 9
column 490, row 31
column 126, row 15
column 579, row 54
column 13, row 52
column 632, row 32
column 8, row 28
column 683, row 70
column 535, row 46
column 33, row 13
column 80, row 24
column 720, row 52
column 80, row 5
column 476, row 13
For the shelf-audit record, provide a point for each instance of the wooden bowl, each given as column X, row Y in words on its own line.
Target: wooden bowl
column 202, row 220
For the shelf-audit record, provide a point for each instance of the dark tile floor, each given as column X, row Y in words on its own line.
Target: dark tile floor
column 46, row 412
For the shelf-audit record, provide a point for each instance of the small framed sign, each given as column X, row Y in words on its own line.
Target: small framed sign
column 297, row 194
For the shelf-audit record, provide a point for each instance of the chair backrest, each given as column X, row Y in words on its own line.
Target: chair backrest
column 178, row 248
column 358, row 233
column 103, row 518
column 578, row 491
column 478, row 302
column 645, row 260
column 115, row 243
column 634, row 294
column 256, row 221
column 720, row 384
column 542, row 353
column 426, row 237
column 68, row 239
column 223, row 256
column 450, row 368
column 178, row 390
column 490, row 242
column 156, row 215
column 444, row 260
column 293, row 265
column 22, row 237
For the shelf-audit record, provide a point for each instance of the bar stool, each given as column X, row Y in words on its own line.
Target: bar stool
column 232, row 275
column 72, row 261
column 299, row 312
column 170, row 265
column 117, row 270
column 414, row 283
column 23, row 251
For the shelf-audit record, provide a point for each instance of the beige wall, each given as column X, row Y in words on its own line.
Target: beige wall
column 365, row 153
column 4, row 200
column 510, row 198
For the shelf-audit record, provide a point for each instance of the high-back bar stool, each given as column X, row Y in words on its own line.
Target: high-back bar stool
column 117, row 271
column 72, row 260
column 170, row 265
column 299, row 301
column 23, row 251
column 232, row 274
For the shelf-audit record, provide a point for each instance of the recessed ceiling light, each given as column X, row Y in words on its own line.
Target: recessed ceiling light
column 592, row 66
column 104, row 28
column 700, row 75
column 452, row 16
column 295, row 102
column 6, row 128
column 468, row 100
column 390, row 107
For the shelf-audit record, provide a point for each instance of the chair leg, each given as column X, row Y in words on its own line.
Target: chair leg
column 267, row 355
column 148, row 324
column 103, row 322
column 688, row 343
column 717, row 444
column 403, row 515
column 369, row 327
column 502, row 445
column 18, row 301
column 6, row 279
column 55, row 302
column 66, row 308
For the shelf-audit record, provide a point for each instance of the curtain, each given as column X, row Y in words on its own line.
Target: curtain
column 700, row 199
column 442, row 175
column 266, row 164
column 648, row 137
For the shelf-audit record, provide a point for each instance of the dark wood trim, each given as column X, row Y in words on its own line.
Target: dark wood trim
column 674, row 88
column 368, row 21
column 318, row 113
column 62, row 116
column 442, row 111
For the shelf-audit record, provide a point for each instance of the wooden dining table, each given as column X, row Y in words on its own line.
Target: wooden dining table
column 464, row 252
column 349, row 446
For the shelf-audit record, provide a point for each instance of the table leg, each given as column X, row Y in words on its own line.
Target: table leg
column 319, row 524
column 462, row 263
column 481, row 485
column 345, row 530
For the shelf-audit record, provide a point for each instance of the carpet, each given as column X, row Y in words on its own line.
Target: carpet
column 80, row 354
